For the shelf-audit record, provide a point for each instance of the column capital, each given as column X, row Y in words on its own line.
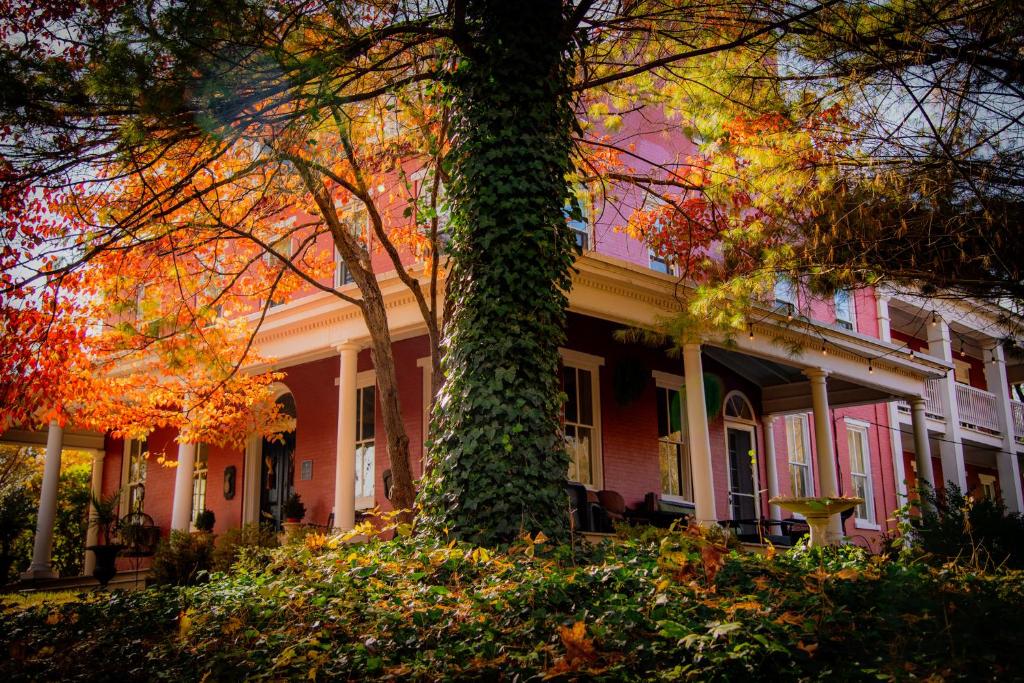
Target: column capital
column 768, row 419
column 815, row 373
column 916, row 401
column 98, row 457
column 344, row 346
column 691, row 346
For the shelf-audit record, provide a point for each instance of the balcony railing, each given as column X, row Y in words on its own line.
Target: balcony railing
column 1018, row 420
column 977, row 409
column 932, row 400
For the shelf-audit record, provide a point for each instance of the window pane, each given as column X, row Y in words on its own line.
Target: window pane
column 569, row 387
column 586, row 398
column 662, row 406
column 675, row 412
column 670, row 468
column 365, row 428
column 583, row 456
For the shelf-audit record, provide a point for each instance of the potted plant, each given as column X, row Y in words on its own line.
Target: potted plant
column 293, row 511
column 205, row 521
column 104, row 518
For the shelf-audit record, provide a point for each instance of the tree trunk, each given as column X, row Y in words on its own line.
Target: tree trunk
column 403, row 492
column 499, row 460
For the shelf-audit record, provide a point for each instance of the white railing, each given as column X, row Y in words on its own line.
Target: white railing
column 1018, row 420
column 977, row 409
column 932, row 400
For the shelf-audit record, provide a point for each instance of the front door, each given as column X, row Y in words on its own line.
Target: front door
column 742, row 503
column 277, row 473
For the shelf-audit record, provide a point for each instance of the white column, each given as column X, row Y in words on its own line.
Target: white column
column 825, row 459
column 700, row 440
column 345, row 467
column 892, row 412
column 774, row 512
column 43, row 544
column 181, row 511
column 250, row 487
column 951, row 448
column 922, row 449
column 1006, row 458
column 92, row 535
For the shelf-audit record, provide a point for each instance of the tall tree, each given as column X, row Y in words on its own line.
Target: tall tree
column 204, row 121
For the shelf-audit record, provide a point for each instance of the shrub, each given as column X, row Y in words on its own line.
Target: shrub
column 183, row 559
column 205, row 520
column 980, row 533
column 294, row 508
column 251, row 543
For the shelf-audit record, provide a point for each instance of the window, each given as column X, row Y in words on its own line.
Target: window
column 134, row 476
column 201, row 468
column 987, row 485
column 674, row 458
column 846, row 312
column 961, row 371
column 662, row 264
column 578, row 216
column 581, row 417
column 786, row 294
column 860, row 471
column 366, row 397
column 358, row 223
column 798, row 448
column 737, row 407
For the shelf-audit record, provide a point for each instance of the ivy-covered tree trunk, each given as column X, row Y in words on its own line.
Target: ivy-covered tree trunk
column 499, row 461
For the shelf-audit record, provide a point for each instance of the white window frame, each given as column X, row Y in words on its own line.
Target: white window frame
column 668, row 381
column 987, row 482
column 805, row 442
column 791, row 290
column 658, row 263
column 582, row 195
column 367, row 378
column 857, row 429
column 591, row 363
column 126, row 483
column 849, row 323
column 350, row 218
column 200, row 475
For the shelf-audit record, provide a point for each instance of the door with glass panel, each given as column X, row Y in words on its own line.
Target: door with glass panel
column 740, row 450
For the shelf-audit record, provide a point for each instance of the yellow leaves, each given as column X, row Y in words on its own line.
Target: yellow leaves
column 809, row 648
column 184, row 624
column 790, row 619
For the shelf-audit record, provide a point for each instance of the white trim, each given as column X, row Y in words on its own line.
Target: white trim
column 805, row 438
column 862, row 430
column 667, row 380
column 579, row 359
column 592, row 364
column 867, row 526
column 750, row 406
column 743, row 426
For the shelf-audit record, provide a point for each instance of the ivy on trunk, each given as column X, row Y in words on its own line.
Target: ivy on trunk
column 498, row 460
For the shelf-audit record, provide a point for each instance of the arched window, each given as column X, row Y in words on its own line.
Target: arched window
column 737, row 407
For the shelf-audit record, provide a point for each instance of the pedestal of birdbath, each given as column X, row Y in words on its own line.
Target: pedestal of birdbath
column 817, row 512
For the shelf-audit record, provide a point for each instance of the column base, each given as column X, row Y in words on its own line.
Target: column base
column 38, row 574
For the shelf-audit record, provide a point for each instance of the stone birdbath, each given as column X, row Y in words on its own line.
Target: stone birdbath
column 817, row 512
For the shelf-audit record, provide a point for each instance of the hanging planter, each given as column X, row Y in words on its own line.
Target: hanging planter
column 630, row 380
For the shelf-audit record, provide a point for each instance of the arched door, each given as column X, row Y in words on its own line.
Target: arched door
column 742, row 459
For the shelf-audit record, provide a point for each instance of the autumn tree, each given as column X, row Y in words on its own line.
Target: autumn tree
column 205, row 123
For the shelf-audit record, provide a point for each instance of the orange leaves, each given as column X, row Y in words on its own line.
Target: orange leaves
column 580, row 652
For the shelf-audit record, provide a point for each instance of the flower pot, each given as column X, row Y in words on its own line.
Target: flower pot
column 106, row 557
column 291, row 528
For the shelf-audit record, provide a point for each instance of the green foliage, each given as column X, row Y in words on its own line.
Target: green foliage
column 183, row 559
column 104, row 515
column 954, row 526
column 205, row 520
column 498, row 461
column 18, row 508
column 250, row 543
column 659, row 606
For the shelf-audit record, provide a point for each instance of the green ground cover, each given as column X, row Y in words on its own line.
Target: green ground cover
column 653, row 607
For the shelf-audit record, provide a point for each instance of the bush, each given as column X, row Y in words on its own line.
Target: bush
column 205, row 520
column 251, row 543
column 980, row 533
column 183, row 559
